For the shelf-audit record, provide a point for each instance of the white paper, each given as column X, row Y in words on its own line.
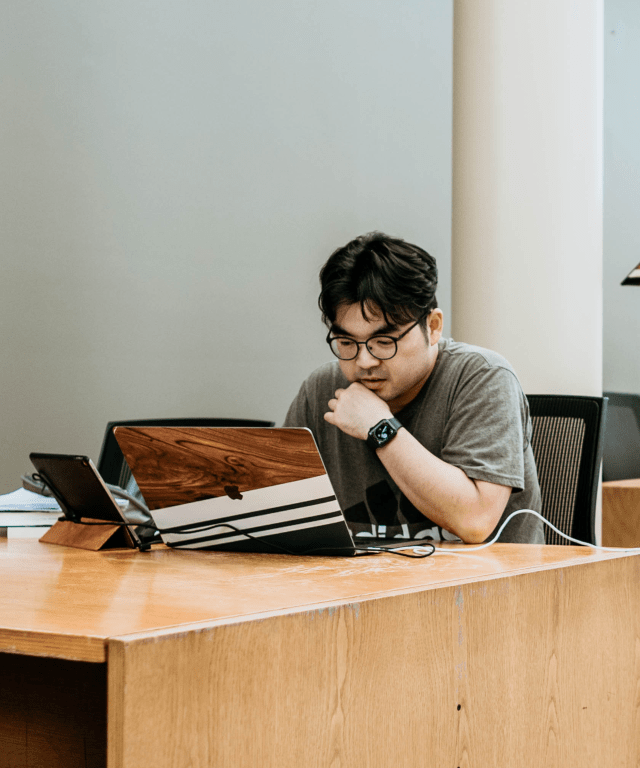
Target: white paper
column 24, row 500
column 26, row 533
column 27, row 519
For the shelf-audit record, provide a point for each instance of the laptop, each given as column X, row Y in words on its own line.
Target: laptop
column 240, row 489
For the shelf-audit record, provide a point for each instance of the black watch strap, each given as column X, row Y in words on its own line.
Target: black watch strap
column 383, row 432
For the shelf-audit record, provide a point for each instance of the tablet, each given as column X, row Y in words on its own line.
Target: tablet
column 78, row 488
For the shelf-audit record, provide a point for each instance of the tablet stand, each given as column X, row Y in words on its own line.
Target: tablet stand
column 92, row 537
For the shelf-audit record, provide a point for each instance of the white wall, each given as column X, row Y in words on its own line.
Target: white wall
column 621, row 194
column 174, row 174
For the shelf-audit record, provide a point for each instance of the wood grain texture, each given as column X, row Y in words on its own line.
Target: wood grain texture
column 52, row 713
column 177, row 465
column 621, row 513
column 59, row 601
column 242, row 660
column 535, row 669
column 65, row 602
column 92, row 537
column 54, row 645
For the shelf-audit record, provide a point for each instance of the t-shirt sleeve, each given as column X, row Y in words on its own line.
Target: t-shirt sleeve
column 487, row 430
column 298, row 414
column 310, row 404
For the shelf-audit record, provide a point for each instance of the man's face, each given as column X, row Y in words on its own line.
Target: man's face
column 397, row 380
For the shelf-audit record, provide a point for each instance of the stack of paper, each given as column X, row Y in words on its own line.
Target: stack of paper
column 24, row 513
column 27, row 501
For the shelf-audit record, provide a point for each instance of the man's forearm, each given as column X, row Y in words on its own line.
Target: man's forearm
column 468, row 508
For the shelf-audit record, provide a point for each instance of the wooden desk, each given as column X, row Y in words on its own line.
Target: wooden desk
column 621, row 513
column 520, row 656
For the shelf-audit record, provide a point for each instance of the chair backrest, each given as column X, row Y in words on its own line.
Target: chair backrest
column 567, row 445
column 621, row 456
column 112, row 465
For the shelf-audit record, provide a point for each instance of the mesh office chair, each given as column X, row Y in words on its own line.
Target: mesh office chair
column 567, row 445
column 112, row 465
column 621, row 457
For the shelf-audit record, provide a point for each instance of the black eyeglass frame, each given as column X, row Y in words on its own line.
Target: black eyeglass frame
column 395, row 340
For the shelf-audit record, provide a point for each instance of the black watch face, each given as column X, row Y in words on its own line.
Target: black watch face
column 384, row 432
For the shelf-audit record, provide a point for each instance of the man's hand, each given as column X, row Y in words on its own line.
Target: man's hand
column 356, row 409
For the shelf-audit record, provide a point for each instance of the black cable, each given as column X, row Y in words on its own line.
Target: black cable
column 37, row 483
column 315, row 550
column 403, row 554
column 263, row 541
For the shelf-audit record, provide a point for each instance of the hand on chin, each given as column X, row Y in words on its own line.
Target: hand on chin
column 357, row 408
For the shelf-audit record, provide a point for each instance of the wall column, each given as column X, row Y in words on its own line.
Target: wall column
column 527, row 187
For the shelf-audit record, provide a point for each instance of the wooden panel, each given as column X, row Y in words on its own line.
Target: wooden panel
column 93, row 536
column 529, row 670
column 66, row 602
column 52, row 713
column 621, row 513
column 178, row 465
column 54, row 645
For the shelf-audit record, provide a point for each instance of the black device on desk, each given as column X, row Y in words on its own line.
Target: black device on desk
column 77, row 486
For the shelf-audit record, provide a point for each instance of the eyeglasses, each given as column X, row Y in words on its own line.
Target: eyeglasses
column 380, row 347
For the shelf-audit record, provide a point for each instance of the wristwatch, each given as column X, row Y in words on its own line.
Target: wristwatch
column 383, row 432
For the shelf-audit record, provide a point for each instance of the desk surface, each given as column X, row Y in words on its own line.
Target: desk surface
column 632, row 483
column 66, row 603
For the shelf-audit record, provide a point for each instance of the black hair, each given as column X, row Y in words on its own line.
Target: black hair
column 379, row 273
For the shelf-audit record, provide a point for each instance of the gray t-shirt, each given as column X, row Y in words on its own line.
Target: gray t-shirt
column 471, row 413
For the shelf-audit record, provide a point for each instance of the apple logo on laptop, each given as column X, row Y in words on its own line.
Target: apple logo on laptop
column 233, row 492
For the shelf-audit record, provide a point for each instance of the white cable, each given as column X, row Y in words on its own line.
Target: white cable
column 471, row 550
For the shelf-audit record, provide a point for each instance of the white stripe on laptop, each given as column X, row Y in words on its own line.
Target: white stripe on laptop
column 184, row 542
column 259, row 521
column 251, row 506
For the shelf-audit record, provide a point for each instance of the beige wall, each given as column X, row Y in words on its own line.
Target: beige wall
column 527, row 187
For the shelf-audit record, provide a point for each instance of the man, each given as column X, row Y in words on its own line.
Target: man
column 422, row 437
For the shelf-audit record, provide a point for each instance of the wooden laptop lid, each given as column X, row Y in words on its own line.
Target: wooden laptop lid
column 178, row 465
